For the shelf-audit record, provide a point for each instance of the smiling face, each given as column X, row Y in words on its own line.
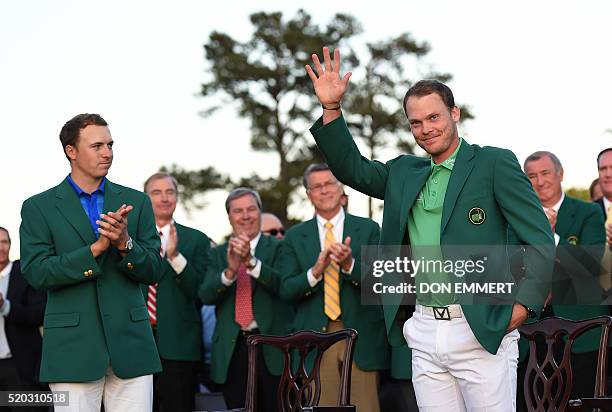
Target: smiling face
column 325, row 193
column 163, row 198
column 244, row 216
column 92, row 155
column 545, row 179
column 605, row 174
column 433, row 125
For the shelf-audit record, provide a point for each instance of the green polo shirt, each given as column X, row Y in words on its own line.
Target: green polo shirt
column 424, row 223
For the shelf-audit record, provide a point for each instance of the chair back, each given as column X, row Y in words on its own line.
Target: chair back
column 548, row 381
column 301, row 388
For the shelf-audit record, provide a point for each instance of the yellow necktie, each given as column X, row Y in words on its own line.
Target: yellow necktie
column 331, row 279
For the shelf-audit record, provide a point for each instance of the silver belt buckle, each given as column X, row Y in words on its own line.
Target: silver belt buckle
column 441, row 312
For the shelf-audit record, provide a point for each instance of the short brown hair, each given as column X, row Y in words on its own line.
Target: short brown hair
column 427, row 87
column 69, row 135
column 160, row 175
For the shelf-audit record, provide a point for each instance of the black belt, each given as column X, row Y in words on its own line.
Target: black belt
column 246, row 333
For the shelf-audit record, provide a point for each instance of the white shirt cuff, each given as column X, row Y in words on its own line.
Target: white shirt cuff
column 312, row 281
column 6, row 308
column 256, row 271
column 178, row 263
column 226, row 281
column 557, row 237
column 350, row 269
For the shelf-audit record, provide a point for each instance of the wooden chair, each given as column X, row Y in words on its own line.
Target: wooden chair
column 300, row 390
column 548, row 382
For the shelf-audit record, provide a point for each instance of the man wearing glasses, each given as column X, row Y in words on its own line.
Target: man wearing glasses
column 320, row 266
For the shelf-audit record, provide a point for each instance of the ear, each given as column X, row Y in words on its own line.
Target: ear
column 455, row 114
column 71, row 152
column 561, row 174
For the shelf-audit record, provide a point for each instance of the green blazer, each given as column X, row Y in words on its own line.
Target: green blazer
column 300, row 250
column 179, row 325
column 273, row 317
column 582, row 238
column 485, row 177
column 96, row 315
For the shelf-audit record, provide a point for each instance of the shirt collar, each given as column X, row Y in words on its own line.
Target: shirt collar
column 253, row 243
column 450, row 162
column 557, row 205
column 6, row 270
column 335, row 221
column 165, row 230
column 80, row 191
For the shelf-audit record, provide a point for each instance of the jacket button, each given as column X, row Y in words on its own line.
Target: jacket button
column 86, row 273
column 324, row 328
column 90, row 272
column 130, row 266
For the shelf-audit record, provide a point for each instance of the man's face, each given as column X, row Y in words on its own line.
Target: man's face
column 433, row 125
column 245, row 216
column 272, row 226
column 5, row 247
column 605, row 174
column 324, row 192
column 163, row 198
column 546, row 181
column 93, row 153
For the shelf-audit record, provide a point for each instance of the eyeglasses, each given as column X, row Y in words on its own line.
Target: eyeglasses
column 274, row 232
column 326, row 185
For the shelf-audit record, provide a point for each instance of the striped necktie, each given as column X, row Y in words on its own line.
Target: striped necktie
column 152, row 295
column 331, row 278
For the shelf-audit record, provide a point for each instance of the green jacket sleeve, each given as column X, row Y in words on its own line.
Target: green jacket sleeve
column 212, row 290
column 143, row 263
column 192, row 275
column 294, row 285
column 524, row 214
column 41, row 266
column 345, row 161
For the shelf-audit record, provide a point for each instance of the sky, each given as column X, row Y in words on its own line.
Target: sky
column 535, row 74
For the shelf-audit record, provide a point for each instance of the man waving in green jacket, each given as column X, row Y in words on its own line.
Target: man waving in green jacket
column 464, row 356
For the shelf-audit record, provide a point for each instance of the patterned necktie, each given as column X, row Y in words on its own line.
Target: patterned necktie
column 331, row 278
column 244, row 299
column 152, row 295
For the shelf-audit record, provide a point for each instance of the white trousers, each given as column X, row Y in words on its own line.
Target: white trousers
column 451, row 371
column 120, row 395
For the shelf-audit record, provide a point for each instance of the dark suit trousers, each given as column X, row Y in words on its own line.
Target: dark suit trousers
column 175, row 386
column 234, row 389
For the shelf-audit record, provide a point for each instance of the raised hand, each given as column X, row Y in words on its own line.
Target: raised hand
column 172, row 245
column 328, row 84
column 322, row 262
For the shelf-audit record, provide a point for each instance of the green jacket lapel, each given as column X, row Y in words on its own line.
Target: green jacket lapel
column 565, row 217
column 416, row 176
column 112, row 197
column 311, row 242
column 461, row 170
column 70, row 207
column 350, row 229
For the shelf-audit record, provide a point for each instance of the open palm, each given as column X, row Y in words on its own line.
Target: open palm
column 328, row 84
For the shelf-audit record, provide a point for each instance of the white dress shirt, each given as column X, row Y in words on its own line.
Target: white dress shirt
column 607, row 205
column 5, row 350
column 179, row 262
column 338, row 231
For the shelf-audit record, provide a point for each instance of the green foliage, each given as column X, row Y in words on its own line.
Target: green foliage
column 263, row 77
column 579, row 193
